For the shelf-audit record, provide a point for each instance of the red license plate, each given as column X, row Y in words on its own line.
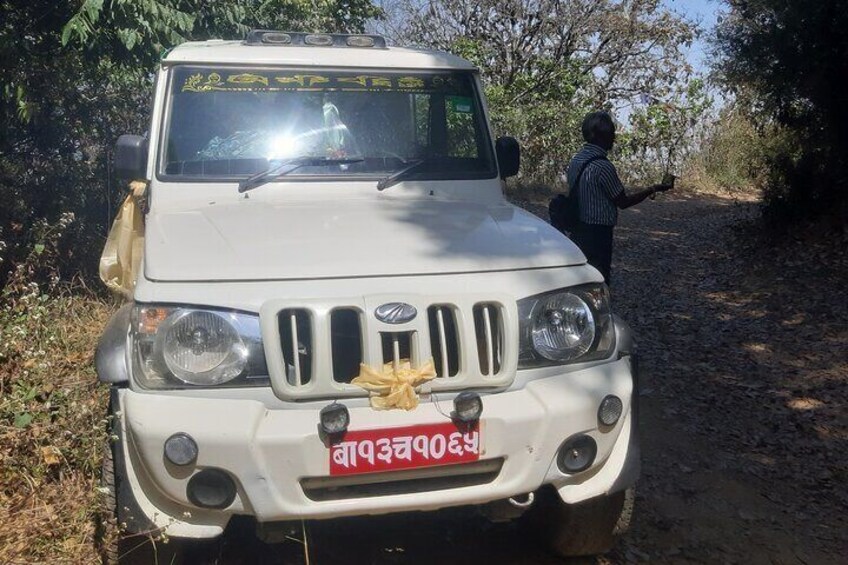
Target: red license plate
column 391, row 449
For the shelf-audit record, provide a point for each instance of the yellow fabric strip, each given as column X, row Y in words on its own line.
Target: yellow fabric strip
column 394, row 389
column 121, row 257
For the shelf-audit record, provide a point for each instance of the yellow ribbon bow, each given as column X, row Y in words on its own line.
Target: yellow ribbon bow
column 394, row 387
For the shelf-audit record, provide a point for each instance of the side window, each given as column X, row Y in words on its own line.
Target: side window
column 461, row 130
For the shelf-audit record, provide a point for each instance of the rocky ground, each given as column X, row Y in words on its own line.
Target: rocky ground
column 744, row 347
column 744, row 344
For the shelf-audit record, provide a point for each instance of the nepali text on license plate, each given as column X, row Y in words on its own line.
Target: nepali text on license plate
column 392, row 449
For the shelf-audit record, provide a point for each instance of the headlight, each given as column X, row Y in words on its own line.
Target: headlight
column 566, row 326
column 180, row 347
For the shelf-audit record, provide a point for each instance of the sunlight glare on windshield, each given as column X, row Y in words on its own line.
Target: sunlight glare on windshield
column 284, row 146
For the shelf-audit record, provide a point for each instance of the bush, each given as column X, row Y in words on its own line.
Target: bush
column 780, row 59
column 51, row 409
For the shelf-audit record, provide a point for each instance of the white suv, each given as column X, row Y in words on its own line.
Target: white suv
column 321, row 208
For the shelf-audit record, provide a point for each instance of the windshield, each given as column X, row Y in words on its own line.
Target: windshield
column 231, row 123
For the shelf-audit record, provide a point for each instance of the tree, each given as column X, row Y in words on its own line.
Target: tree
column 783, row 60
column 547, row 62
column 664, row 134
column 77, row 74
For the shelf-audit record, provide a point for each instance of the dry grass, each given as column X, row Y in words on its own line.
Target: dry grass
column 52, row 424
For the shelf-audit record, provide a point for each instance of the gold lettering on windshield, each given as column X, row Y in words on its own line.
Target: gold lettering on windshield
column 302, row 80
column 410, row 82
column 247, row 78
column 360, row 80
column 367, row 80
column 199, row 83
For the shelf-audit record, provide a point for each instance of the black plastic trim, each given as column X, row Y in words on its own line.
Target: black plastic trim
column 223, row 480
column 131, row 517
column 110, row 359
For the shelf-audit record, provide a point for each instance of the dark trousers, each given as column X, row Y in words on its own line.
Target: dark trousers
column 596, row 244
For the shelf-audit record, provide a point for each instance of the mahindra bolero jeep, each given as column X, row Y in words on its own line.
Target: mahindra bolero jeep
column 338, row 313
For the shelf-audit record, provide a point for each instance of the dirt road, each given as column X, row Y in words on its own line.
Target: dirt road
column 745, row 382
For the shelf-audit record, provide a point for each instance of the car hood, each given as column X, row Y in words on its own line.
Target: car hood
column 256, row 240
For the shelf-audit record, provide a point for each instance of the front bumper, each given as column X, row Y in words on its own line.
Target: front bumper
column 269, row 451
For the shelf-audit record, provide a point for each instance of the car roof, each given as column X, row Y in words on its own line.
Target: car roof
column 217, row 51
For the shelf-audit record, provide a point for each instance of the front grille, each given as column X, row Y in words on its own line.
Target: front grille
column 396, row 346
column 345, row 343
column 472, row 341
column 489, row 332
column 444, row 340
column 296, row 341
column 409, row 481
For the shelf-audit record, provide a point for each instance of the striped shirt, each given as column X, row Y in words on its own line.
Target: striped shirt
column 599, row 186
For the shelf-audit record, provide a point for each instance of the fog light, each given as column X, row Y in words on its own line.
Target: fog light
column 211, row 488
column 335, row 418
column 181, row 449
column 577, row 454
column 467, row 406
column 610, row 410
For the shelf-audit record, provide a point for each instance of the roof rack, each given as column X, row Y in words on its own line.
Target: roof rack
column 297, row 38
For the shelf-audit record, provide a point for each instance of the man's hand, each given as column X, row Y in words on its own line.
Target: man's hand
column 625, row 200
column 666, row 184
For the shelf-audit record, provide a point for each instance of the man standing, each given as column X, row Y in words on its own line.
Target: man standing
column 599, row 192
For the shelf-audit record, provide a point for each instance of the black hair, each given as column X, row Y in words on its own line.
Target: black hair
column 599, row 129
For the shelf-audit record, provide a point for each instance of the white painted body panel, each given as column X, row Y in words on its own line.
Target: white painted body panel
column 277, row 240
column 269, row 450
column 237, row 53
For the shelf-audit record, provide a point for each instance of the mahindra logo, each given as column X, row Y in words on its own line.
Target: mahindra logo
column 395, row 312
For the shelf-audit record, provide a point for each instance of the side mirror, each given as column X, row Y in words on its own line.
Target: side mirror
column 509, row 156
column 130, row 157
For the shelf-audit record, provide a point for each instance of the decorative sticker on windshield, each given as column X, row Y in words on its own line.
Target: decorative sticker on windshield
column 302, row 80
column 280, row 82
column 247, row 78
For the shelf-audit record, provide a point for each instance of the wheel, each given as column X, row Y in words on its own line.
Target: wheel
column 587, row 528
column 108, row 532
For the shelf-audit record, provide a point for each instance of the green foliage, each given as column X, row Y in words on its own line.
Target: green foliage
column 545, row 120
column 662, row 134
column 547, row 63
column 78, row 74
column 781, row 59
column 138, row 31
column 733, row 155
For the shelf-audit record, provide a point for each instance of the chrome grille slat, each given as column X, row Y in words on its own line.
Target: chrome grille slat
column 395, row 352
column 443, row 341
column 490, row 355
column 489, row 331
column 295, row 349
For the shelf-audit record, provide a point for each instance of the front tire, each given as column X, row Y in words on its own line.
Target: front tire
column 108, row 532
column 588, row 528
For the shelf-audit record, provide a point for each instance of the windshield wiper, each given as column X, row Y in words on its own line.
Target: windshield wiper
column 400, row 174
column 288, row 165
